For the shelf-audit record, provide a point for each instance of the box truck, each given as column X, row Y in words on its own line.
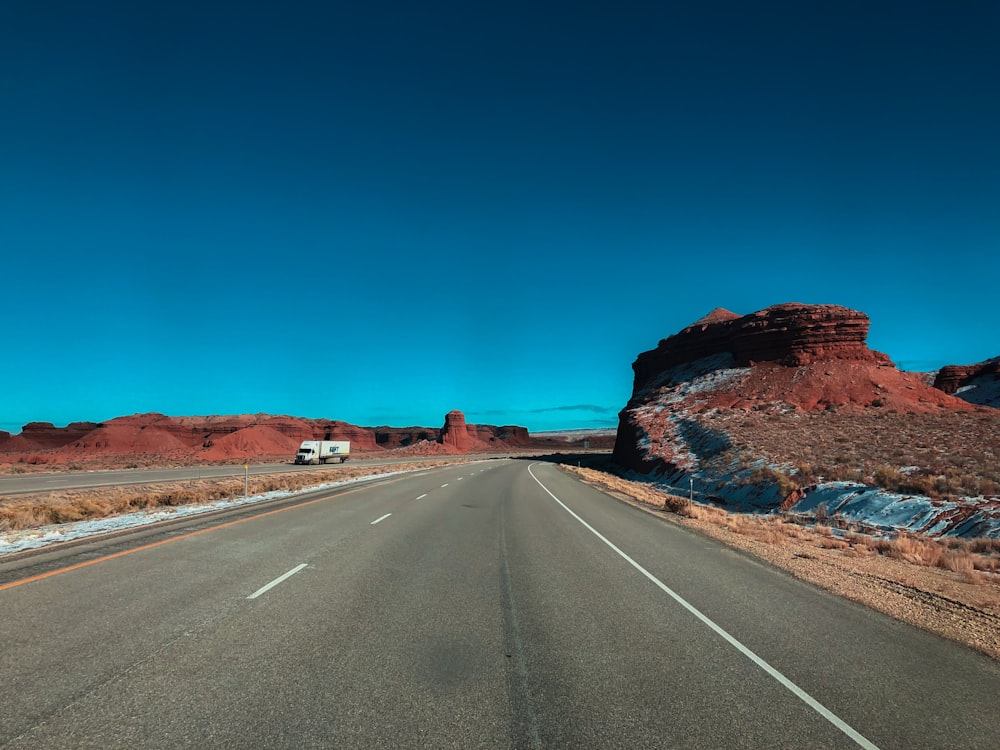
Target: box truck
column 321, row 451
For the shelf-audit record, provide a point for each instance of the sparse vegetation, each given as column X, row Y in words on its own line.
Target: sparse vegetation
column 33, row 511
column 939, row 455
column 770, row 475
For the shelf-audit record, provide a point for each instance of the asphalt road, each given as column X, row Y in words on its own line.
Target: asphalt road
column 22, row 484
column 501, row 604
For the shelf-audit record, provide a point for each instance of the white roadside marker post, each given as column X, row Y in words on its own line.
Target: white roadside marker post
column 246, row 480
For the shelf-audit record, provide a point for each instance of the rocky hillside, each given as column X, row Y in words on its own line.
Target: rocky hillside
column 758, row 410
column 219, row 438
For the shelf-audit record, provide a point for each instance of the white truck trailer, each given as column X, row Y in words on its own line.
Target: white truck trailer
column 321, row 451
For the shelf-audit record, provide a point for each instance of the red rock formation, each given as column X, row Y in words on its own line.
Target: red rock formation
column 391, row 438
column 718, row 315
column 455, row 433
column 981, row 382
column 43, row 435
column 792, row 334
column 236, row 436
column 801, row 357
column 489, row 435
column 952, row 377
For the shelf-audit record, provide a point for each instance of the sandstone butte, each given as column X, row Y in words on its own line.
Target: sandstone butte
column 215, row 438
column 807, row 357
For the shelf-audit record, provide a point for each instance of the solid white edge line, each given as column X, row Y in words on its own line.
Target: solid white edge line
column 382, row 518
column 276, row 581
column 422, row 496
column 798, row 692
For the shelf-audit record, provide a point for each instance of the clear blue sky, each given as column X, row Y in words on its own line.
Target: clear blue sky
column 381, row 211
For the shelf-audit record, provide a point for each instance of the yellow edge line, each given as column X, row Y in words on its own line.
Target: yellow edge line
column 144, row 547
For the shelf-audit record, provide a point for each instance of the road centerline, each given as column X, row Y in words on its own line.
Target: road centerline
column 283, row 577
column 798, row 692
column 380, row 518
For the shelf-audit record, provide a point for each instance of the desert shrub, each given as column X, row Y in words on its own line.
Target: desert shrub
column 960, row 562
column 63, row 514
column 91, row 507
column 804, row 472
column 677, row 504
column 887, row 477
column 832, row 542
column 984, row 545
column 945, row 486
column 913, row 550
column 769, row 475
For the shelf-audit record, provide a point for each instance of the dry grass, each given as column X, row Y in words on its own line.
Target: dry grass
column 949, row 587
column 35, row 511
column 934, row 454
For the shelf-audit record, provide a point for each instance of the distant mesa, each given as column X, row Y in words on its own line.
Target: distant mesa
column 230, row 437
column 977, row 384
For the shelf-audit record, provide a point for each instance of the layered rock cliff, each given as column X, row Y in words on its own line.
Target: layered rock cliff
column 455, row 433
column 788, row 357
column 790, row 334
column 977, row 384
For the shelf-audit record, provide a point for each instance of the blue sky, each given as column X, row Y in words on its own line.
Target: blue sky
column 381, row 211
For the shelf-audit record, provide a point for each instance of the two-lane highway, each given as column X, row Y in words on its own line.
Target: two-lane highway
column 22, row 484
column 486, row 605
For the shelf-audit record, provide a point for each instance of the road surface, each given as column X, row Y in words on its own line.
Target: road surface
column 22, row 484
column 501, row 604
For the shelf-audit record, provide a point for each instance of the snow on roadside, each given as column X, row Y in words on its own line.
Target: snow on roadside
column 870, row 507
column 25, row 539
column 891, row 511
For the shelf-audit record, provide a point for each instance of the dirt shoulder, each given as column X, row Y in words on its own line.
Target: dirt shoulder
column 962, row 606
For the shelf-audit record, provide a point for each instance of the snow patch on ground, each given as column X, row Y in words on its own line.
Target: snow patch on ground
column 672, row 433
column 18, row 541
column 871, row 507
column 890, row 511
column 983, row 390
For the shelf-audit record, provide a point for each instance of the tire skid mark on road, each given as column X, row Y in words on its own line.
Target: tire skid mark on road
column 524, row 724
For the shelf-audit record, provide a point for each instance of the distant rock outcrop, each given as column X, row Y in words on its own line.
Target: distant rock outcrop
column 223, row 438
column 455, row 433
column 42, row 435
column 977, row 384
